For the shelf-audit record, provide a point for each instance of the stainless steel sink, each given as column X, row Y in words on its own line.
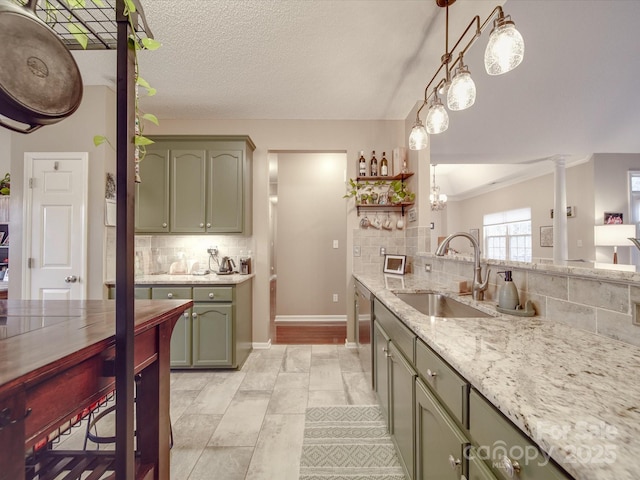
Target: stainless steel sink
column 438, row 305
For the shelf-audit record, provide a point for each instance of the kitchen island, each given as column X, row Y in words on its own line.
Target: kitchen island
column 57, row 358
column 572, row 392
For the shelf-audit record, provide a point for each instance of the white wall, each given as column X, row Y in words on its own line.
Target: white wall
column 5, row 151
column 310, row 217
column 95, row 116
column 537, row 194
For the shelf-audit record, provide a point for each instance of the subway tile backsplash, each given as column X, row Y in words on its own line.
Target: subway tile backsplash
column 598, row 301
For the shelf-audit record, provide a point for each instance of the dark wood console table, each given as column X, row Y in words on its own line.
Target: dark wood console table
column 57, row 357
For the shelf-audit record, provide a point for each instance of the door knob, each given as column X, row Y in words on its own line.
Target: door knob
column 71, row 279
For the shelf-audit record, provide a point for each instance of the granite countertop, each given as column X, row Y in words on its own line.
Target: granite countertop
column 575, row 393
column 209, row 279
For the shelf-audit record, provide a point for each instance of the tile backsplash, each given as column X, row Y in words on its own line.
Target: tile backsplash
column 156, row 253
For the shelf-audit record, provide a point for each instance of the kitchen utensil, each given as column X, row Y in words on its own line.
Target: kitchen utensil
column 388, row 224
column 375, row 223
column 228, row 265
column 364, row 222
column 40, row 82
column 400, row 224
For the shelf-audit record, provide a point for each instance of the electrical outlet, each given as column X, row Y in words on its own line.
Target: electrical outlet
column 427, row 267
column 383, row 251
column 356, row 250
column 335, row 297
column 212, row 250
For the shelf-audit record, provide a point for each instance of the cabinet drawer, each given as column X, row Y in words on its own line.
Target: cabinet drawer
column 452, row 389
column 397, row 331
column 163, row 293
column 478, row 470
column 502, row 444
column 213, row 294
column 143, row 293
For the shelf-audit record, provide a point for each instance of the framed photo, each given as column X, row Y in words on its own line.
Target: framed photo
column 394, row 264
column 383, row 199
column 546, row 236
column 611, row 218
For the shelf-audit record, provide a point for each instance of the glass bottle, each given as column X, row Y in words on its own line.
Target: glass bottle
column 374, row 164
column 384, row 165
column 362, row 165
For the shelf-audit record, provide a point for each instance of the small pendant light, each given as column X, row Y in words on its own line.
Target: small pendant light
column 462, row 93
column 437, row 116
column 418, row 139
column 505, row 49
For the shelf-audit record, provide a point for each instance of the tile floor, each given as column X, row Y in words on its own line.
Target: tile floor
column 248, row 424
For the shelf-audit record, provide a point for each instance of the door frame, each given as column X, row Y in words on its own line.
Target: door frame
column 27, row 208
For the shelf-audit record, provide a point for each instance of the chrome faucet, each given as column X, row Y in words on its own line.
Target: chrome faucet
column 478, row 286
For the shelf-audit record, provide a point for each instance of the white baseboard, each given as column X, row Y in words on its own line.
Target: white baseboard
column 350, row 344
column 311, row 318
column 261, row 345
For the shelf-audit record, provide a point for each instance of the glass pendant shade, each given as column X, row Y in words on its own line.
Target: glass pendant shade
column 437, row 117
column 418, row 139
column 505, row 49
column 462, row 93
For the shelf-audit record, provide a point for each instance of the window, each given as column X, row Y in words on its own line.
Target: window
column 507, row 235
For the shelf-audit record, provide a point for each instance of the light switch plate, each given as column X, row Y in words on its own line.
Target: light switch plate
column 356, row 250
column 335, row 244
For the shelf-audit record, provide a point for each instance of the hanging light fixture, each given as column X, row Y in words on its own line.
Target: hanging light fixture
column 438, row 200
column 437, row 116
column 504, row 52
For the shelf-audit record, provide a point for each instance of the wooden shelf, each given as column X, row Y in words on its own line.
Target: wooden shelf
column 400, row 176
column 390, row 207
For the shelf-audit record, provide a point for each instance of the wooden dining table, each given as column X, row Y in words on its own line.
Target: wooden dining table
column 57, row 358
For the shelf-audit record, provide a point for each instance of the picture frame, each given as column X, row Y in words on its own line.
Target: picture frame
column 571, row 212
column 1, row 238
column 394, row 264
column 613, row 218
column 546, row 236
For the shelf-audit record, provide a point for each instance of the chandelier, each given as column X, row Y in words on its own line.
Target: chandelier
column 504, row 52
column 438, row 200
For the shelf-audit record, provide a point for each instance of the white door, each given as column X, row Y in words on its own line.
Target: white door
column 55, row 247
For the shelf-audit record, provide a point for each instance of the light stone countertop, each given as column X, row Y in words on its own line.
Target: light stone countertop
column 575, row 393
column 210, row 279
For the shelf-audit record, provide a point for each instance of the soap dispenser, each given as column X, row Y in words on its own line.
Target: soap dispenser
column 508, row 293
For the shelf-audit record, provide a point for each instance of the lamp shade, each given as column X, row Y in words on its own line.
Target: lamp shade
column 505, row 49
column 462, row 93
column 437, row 117
column 418, row 139
column 613, row 235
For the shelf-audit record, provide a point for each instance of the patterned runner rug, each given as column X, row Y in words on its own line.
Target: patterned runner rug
column 348, row 443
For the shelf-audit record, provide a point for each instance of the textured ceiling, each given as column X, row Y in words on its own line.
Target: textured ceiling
column 574, row 94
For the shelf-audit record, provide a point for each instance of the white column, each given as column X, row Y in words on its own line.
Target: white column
column 560, row 243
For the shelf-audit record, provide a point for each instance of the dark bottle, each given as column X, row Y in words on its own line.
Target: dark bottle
column 362, row 165
column 384, row 166
column 374, row 164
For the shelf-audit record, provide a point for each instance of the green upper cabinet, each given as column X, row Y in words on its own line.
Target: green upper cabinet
column 189, row 191
column 152, row 194
column 204, row 185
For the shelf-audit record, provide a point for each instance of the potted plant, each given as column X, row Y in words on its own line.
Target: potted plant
column 399, row 193
column 5, row 185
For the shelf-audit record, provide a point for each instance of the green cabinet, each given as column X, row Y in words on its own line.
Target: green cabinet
column 402, row 381
column 381, row 369
column 217, row 331
column 142, row 293
column 440, row 444
column 196, row 184
column 152, row 193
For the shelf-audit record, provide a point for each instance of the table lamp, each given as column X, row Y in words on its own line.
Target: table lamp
column 614, row 236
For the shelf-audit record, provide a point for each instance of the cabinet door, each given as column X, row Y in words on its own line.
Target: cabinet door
column 152, row 194
column 181, row 341
column 440, row 445
column 188, row 191
column 212, row 335
column 225, row 207
column 402, row 381
column 477, row 469
column 381, row 369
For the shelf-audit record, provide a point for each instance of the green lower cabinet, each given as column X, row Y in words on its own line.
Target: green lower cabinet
column 381, row 369
column 212, row 335
column 402, row 380
column 181, row 341
column 142, row 293
column 440, row 444
column 478, row 470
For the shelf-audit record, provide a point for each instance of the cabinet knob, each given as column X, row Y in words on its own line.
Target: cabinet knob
column 202, row 225
column 164, row 225
column 194, row 315
column 186, row 314
column 511, row 468
column 169, row 295
column 208, row 225
column 454, row 462
column 431, row 374
column 211, row 295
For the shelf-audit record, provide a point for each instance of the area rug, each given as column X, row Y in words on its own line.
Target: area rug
column 348, row 443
